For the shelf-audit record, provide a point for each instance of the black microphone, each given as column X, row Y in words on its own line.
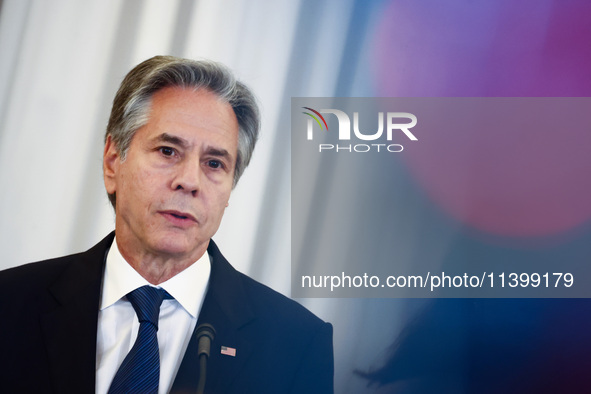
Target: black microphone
column 205, row 334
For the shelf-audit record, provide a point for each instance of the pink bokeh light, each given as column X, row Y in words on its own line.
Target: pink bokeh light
column 523, row 184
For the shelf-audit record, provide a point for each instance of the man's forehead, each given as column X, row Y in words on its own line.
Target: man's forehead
column 182, row 115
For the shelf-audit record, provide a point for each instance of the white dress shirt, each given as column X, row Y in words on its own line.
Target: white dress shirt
column 118, row 324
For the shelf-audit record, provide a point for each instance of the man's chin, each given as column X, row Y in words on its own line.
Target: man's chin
column 180, row 248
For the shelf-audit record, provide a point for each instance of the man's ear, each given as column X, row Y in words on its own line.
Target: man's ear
column 111, row 163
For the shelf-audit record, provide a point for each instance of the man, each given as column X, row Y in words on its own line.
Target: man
column 180, row 134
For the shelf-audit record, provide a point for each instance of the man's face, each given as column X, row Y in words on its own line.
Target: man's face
column 175, row 182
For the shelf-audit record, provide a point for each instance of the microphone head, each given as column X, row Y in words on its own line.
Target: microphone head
column 205, row 334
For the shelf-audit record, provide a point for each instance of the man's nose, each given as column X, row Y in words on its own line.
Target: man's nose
column 187, row 177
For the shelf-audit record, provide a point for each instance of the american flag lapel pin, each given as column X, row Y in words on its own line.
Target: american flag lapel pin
column 228, row 351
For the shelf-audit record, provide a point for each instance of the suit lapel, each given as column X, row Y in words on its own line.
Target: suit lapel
column 69, row 326
column 227, row 308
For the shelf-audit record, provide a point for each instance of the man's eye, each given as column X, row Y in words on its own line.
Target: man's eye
column 214, row 164
column 166, row 151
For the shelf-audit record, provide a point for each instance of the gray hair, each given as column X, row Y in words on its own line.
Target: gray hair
column 131, row 106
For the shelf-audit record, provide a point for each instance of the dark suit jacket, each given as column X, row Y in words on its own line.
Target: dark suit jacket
column 49, row 313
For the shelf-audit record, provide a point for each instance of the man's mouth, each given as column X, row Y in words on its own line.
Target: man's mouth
column 179, row 215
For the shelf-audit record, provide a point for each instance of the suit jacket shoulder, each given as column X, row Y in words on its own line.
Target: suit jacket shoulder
column 50, row 311
column 275, row 344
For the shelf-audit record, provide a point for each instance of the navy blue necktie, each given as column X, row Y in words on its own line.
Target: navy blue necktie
column 140, row 370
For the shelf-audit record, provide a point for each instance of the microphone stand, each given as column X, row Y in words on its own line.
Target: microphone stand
column 205, row 335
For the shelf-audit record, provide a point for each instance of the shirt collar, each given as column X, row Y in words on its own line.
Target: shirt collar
column 188, row 287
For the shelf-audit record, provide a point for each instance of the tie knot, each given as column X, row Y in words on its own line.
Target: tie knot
column 146, row 301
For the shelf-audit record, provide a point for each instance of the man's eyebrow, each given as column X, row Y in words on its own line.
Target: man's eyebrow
column 217, row 152
column 183, row 143
column 172, row 139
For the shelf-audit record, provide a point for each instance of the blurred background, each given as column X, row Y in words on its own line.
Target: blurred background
column 504, row 197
